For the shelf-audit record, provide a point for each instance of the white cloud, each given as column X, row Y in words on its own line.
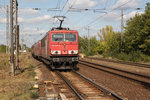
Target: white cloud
column 43, row 19
column 2, row 20
column 35, row 20
column 112, row 16
column 116, row 16
column 127, row 4
column 33, row 31
column 131, row 14
column 82, row 3
column 29, row 11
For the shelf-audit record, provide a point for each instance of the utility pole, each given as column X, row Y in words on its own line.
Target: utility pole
column 89, row 39
column 7, row 29
column 22, row 47
column 12, row 69
column 122, row 27
column 17, row 35
column 13, row 6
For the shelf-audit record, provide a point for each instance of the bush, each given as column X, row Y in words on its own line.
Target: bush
column 122, row 56
column 135, row 56
column 144, row 58
column 33, row 95
column 2, row 48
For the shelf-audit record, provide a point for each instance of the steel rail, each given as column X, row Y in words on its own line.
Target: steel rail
column 108, row 68
column 121, row 62
column 99, row 86
column 70, row 86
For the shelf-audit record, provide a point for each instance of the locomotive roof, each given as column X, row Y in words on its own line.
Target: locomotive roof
column 63, row 31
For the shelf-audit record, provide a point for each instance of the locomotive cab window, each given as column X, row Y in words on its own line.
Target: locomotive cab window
column 70, row 37
column 58, row 37
column 64, row 37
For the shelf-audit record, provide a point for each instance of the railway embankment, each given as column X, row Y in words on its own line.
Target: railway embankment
column 131, row 67
column 19, row 87
column 127, row 87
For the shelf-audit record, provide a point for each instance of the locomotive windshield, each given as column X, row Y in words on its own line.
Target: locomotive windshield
column 70, row 37
column 58, row 37
column 64, row 37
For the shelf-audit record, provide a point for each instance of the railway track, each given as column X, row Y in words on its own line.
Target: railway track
column 86, row 89
column 145, row 80
column 121, row 62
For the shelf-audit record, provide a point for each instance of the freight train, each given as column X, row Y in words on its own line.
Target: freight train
column 59, row 47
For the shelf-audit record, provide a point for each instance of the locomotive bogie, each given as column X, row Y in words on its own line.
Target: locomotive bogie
column 65, row 59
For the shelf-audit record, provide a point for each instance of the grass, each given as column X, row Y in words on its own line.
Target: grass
column 33, row 95
column 135, row 56
column 18, row 87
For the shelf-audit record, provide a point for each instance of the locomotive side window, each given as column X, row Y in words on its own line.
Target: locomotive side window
column 70, row 37
column 58, row 37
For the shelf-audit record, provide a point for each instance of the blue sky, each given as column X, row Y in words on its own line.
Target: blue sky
column 35, row 23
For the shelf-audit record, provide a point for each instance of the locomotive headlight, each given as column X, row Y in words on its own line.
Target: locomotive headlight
column 55, row 52
column 73, row 52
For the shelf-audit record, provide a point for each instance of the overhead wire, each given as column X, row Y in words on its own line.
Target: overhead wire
column 63, row 7
column 54, row 22
column 84, row 14
column 107, row 13
column 90, row 10
column 103, row 15
column 58, row 4
column 70, row 7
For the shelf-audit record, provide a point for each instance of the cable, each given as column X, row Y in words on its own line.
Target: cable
column 70, row 7
column 63, row 7
column 107, row 13
column 59, row 2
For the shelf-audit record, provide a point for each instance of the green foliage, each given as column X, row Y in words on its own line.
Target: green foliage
column 147, row 8
column 109, row 42
column 93, row 46
column 137, row 33
column 101, row 47
column 135, row 40
column 2, row 48
column 31, row 71
column 28, row 49
column 33, row 95
column 83, row 45
column 134, row 56
column 106, row 36
column 109, row 39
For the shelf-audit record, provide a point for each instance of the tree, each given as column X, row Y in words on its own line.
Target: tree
column 106, row 36
column 147, row 8
column 93, row 45
column 137, row 33
column 2, row 48
column 83, row 45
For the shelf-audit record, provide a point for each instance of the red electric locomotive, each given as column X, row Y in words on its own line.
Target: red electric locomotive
column 59, row 47
column 36, row 50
